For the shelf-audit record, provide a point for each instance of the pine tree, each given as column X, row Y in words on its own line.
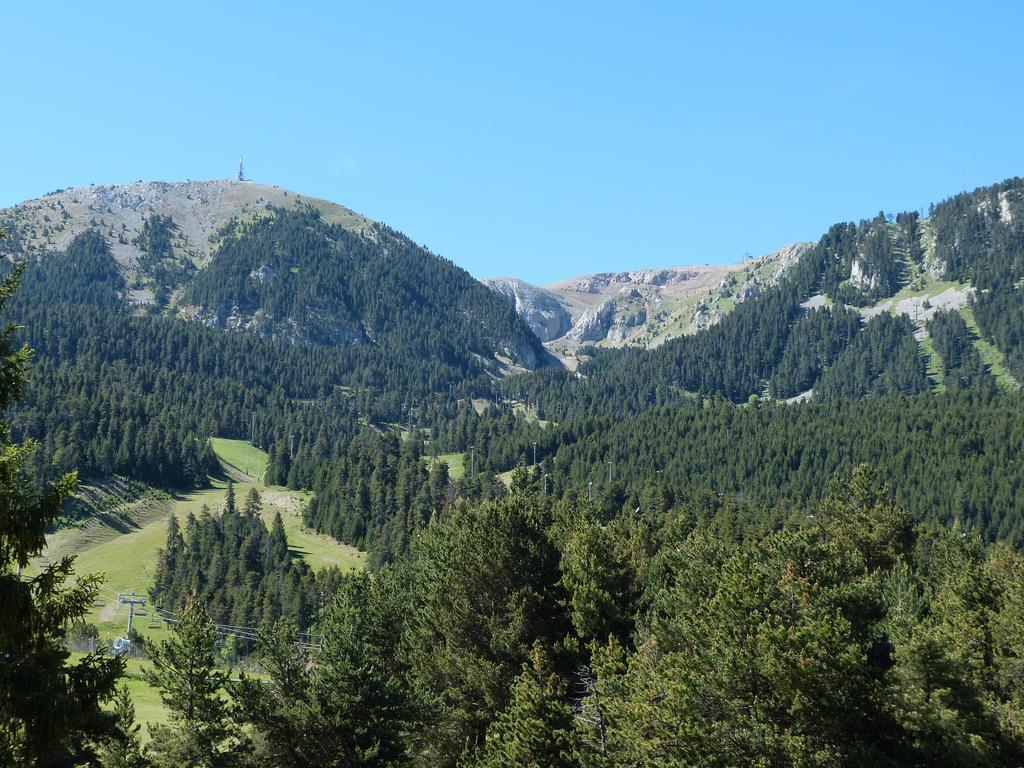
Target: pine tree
column 859, row 513
column 278, row 707
column 278, row 540
column 600, row 584
column 229, row 499
column 167, row 568
column 253, row 503
column 202, row 733
column 345, row 708
column 364, row 712
column 49, row 709
column 537, row 729
column 124, row 749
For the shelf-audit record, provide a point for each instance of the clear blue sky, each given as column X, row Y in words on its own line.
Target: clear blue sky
column 542, row 140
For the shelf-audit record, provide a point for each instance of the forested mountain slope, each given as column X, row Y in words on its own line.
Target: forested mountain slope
column 305, row 334
column 871, row 323
column 852, row 317
column 166, row 313
column 608, row 521
column 253, row 258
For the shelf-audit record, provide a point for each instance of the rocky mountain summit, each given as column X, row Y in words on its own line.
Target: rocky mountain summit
column 198, row 209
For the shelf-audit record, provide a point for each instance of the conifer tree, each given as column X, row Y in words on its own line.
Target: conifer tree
column 343, row 707
column 278, row 707
column 600, row 585
column 253, row 503
column 201, row 732
column 229, row 498
column 124, row 749
column 537, row 729
column 278, row 540
column 364, row 711
column 49, row 709
column 859, row 513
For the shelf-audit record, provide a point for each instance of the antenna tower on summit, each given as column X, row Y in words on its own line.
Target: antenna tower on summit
column 241, row 169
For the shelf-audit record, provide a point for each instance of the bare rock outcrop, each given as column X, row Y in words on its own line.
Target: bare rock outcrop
column 542, row 310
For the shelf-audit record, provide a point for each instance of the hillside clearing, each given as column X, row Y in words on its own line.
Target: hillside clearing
column 127, row 555
column 456, row 464
column 247, row 459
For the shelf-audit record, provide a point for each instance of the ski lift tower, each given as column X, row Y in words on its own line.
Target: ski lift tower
column 131, row 601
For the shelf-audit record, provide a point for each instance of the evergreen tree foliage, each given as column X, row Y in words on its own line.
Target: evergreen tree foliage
column 950, row 457
column 201, row 731
column 344, row 706
column 343, row 288
column 49, row 708
column 158, row 262
column 376, row 495
column 847, row 637
column 813, row 345
column 241, row 571
column 394, row 321
column 979, row 237
column 862, row 262
column 717, row 602
column 124, row 749
column 538, row 728
column 483, row 586
column 884, row 359
column 962, row 367
column 849, row 641
column 1000, row 314
column 83, row 274
column 598, row 575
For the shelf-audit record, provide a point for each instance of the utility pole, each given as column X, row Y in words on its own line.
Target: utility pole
column 131, row 600
column 609, row 473
column 291, row 446
column 590, row 491
column 535, row 453
column 546, row 476
column 472, row 461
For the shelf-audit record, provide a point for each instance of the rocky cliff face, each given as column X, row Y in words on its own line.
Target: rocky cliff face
column 548, row 317
column 614, row 320
column 680, row 278
column 642, row 306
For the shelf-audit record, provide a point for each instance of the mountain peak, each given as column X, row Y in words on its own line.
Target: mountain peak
column 199, row 209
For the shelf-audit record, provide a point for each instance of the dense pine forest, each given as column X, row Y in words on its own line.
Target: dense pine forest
column 652, row 559
column 523, row 631
column 93, row 397
column 948, row 458
column 239, row 569
column 99, row 403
